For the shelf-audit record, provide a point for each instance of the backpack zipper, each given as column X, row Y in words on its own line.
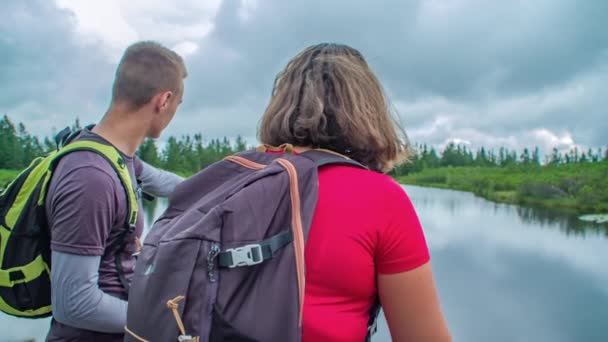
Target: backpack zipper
column 213, row 253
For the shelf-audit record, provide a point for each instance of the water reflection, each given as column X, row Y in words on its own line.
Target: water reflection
column 514, row 274
column 150, row 210
column 570, row 224
column 455, row 203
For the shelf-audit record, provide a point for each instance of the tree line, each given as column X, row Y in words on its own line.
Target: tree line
column 188, row 154
column 427, row 157
column 185, row 155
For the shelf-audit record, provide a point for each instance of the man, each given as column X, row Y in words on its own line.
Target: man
column 87, row 205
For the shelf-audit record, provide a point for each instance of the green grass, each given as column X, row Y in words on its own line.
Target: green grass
column 6, row 176
column 580, row 188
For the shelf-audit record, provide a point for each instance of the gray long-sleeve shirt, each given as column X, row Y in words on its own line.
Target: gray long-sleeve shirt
column 158, row 182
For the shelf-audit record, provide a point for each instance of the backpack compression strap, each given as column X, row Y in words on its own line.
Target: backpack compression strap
column 254, row 254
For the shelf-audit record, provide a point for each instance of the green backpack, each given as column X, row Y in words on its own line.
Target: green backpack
column 25, row 253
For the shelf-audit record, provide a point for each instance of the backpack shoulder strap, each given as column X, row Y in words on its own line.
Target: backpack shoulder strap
column 372, row 324
column 323, row 157
column 118, row 164
column 66, row 135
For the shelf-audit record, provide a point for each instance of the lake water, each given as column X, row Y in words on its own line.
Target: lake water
column 504, row 273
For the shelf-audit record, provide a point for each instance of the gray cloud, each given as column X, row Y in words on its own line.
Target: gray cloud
column 489, row 72
column 477, row 48
column 463, row 49
column 47, row 77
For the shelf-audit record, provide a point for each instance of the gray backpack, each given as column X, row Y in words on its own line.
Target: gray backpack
column 225, row 261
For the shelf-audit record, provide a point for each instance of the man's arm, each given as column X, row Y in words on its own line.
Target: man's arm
column 157, row 182
column 82, row 206
column 77, row 300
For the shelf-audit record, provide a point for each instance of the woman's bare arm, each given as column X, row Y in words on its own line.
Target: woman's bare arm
column 411, row 306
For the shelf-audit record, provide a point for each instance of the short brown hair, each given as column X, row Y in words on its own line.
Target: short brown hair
column 328, row 97
column 145, row 69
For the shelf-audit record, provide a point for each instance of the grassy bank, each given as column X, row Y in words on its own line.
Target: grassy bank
column 580, row 188
column 7, row 176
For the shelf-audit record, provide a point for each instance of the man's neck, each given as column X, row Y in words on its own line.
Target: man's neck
column 122, row 129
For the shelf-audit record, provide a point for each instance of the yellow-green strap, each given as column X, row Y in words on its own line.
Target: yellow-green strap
column 13, row 214
column 30, row 271
column 116, row 160
column 4, row 235
column 41, row 172
column 43, row 311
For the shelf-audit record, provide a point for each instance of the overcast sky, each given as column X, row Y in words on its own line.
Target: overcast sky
column 495, row 73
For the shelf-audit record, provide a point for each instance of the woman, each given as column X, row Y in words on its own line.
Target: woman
column 365, row 240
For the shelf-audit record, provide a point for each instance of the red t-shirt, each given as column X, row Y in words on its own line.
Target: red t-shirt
column 364, row 224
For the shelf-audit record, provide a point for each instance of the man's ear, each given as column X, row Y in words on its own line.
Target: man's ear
column 162, row 100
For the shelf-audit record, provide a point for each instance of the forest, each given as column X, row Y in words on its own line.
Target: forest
column 573, row 180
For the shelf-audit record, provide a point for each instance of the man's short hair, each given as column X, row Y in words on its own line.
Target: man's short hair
column 145, row 69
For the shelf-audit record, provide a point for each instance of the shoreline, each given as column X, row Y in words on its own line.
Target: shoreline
column 544, row 187
column 503, row 197
column 572, row 189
